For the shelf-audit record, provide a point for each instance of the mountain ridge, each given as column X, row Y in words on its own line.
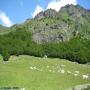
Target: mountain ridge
column 49, row 26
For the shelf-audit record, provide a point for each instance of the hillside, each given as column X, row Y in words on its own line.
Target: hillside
column 4, row 30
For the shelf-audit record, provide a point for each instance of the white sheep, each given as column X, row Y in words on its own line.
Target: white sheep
column 69, row 72
column 77, row 72
column 34, row 68
column 31, row 68
column 85, row 76
column 62, row 71
column 62, row 65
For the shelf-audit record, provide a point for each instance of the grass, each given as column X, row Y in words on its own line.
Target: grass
column 17, row 73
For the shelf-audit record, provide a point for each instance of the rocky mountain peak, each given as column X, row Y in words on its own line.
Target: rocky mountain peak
column 76, row 12
column 47, row 13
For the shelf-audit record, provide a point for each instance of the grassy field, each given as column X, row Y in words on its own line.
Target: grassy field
column 34, row 73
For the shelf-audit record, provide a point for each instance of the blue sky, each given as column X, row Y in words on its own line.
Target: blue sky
column 17, row 11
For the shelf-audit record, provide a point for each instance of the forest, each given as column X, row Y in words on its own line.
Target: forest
column 20, row 42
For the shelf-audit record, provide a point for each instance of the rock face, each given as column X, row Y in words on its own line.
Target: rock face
column 39, row 16
column 41, row 38
column 76, row 12
column 69, row 22
column 47, row 13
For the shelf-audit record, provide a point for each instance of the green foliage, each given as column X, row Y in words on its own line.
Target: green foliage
column 5, row 55
column 74, row 50
column 20, row 42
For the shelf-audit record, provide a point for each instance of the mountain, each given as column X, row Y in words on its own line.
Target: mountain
column 51, row 26
column 69, row 22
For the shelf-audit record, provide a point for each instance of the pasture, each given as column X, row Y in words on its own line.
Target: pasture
column 34, row 73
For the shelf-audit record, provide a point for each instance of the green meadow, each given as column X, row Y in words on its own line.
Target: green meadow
column 35, row 73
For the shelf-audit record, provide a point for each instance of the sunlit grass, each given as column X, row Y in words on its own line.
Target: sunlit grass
column 17, row 72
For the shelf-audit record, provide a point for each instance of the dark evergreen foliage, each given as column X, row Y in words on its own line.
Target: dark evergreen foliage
column 20, row 42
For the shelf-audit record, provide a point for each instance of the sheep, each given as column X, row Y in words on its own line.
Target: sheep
column 34, row 68
column 85, row 76
column 31, row 68
column 62, row 65
column 69, row 72
column 62, row 71
column 77, row 72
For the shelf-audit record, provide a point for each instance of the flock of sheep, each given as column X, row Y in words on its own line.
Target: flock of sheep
column 61, row 71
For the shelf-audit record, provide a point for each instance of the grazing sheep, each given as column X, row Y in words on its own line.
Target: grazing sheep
column 31, row 68
column 34, row 68
column 62, row 71
column 77, row 72
column 69, row 72
column 85, row 76
column 62, row 65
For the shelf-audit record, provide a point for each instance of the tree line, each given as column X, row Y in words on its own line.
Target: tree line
column 20, row 42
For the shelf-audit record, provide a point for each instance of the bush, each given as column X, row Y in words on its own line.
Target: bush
column 5, row 55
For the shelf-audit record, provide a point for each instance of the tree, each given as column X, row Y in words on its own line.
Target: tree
column 5, row 55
